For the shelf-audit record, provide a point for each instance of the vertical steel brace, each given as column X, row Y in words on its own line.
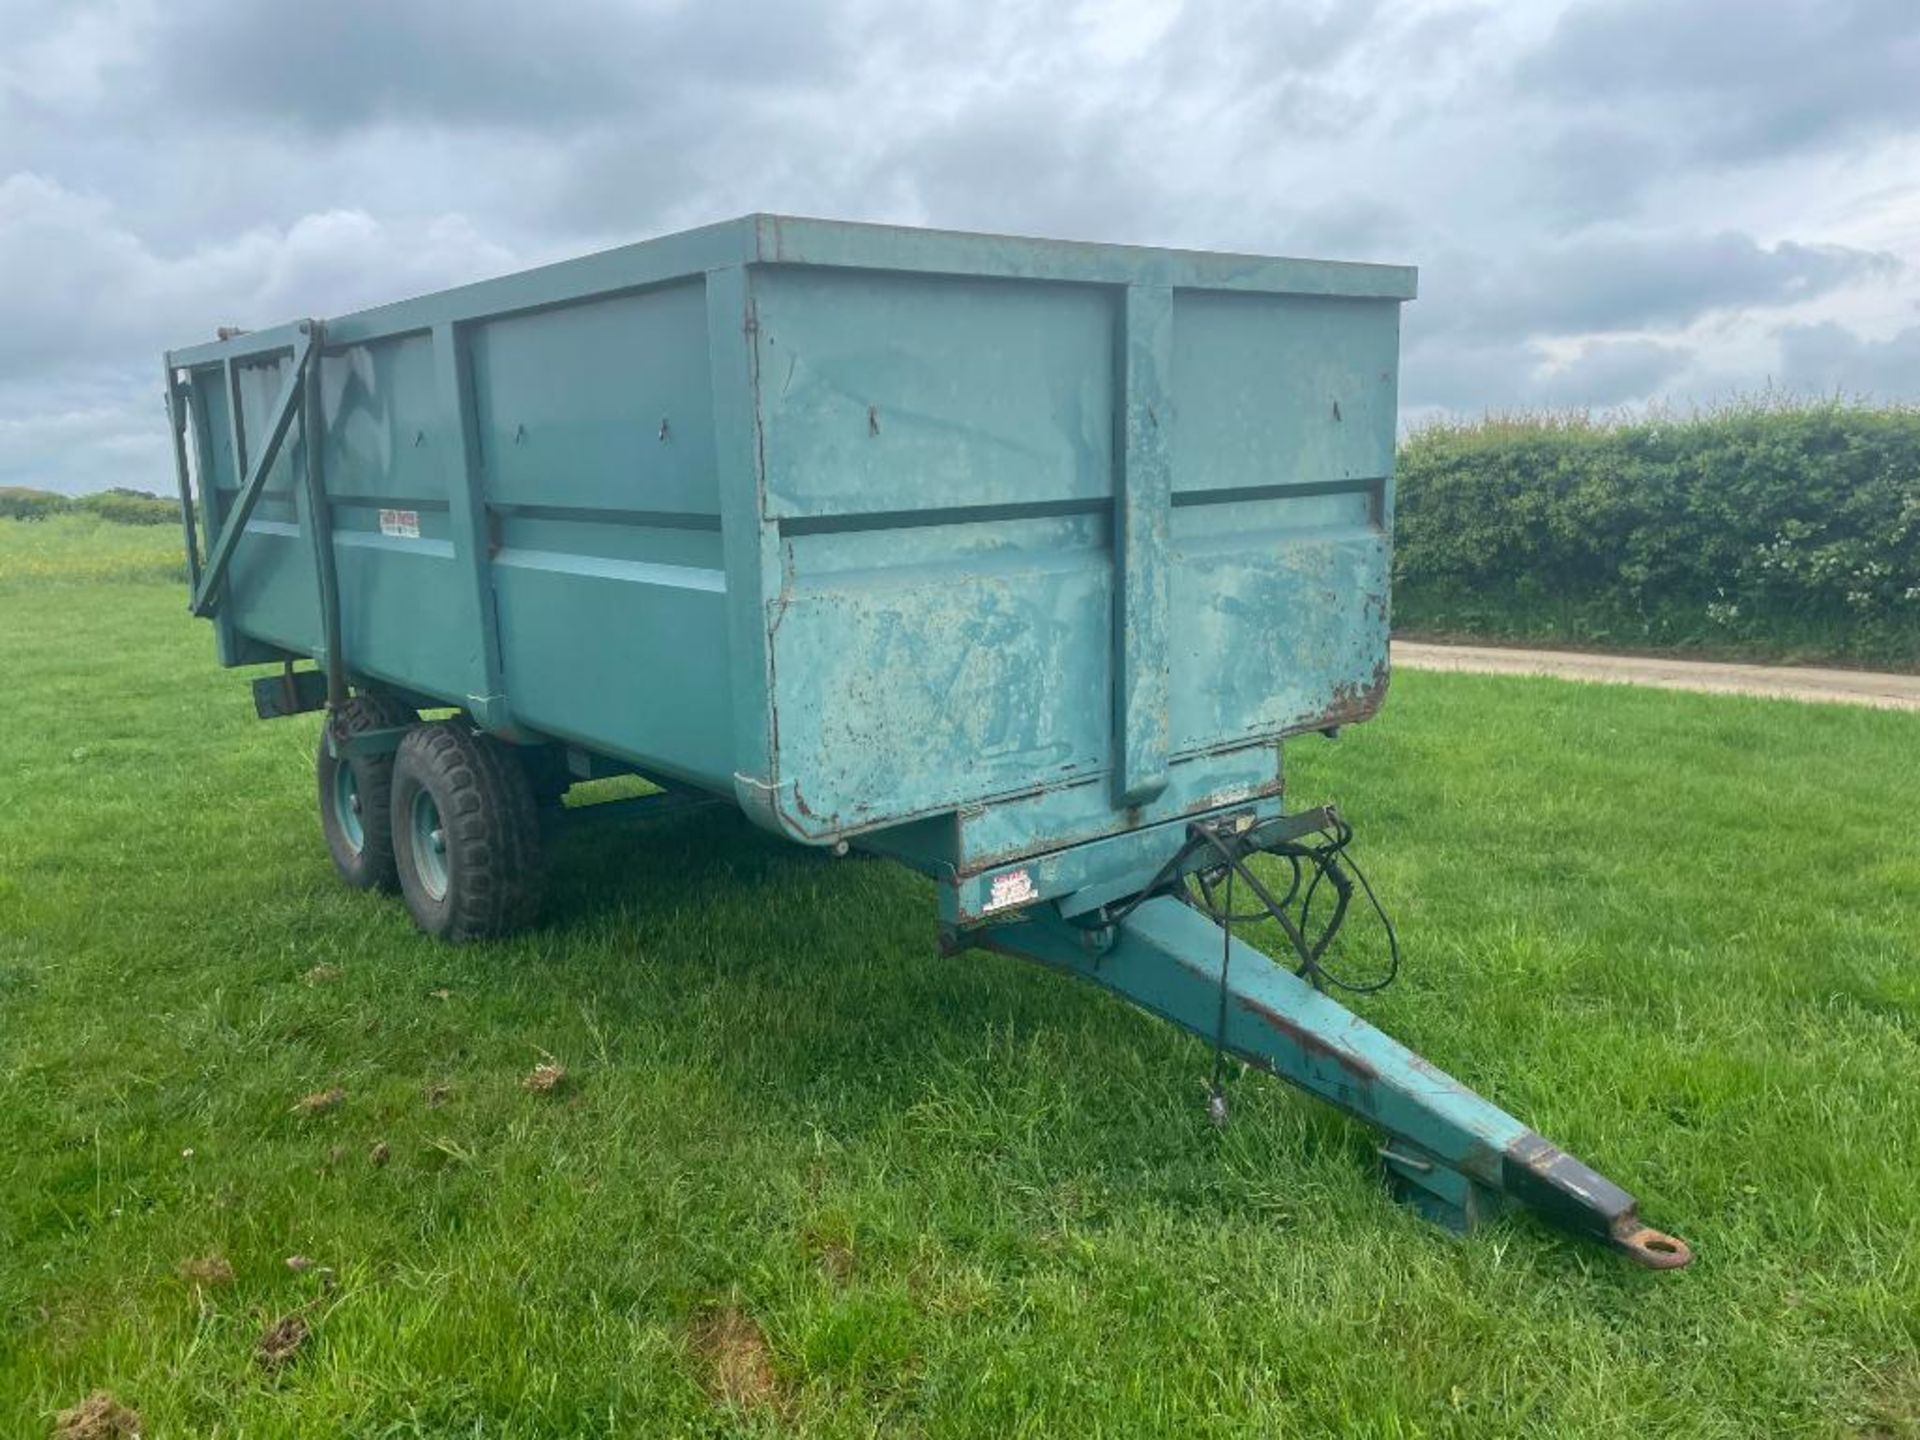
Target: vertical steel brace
column 319, row 517
column 1142, row 545
column 176, row 427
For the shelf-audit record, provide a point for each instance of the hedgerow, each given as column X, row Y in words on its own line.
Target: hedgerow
column 120, row 505
column 1772, row 526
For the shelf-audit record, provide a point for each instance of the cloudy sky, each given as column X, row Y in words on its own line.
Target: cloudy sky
column 1611, row 201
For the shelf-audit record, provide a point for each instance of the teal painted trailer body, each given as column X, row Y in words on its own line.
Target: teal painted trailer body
column 1014, row 560
column 1015, row 543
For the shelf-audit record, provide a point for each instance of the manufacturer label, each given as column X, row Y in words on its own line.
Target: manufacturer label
column 403, row 524
column 1014, row 887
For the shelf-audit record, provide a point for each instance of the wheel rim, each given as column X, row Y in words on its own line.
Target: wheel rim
column 346, row 807
column 429, row 845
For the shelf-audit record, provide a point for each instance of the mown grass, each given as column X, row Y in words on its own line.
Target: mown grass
column 804, row 1177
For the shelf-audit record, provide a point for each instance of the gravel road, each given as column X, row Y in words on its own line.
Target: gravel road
column 1789, row 682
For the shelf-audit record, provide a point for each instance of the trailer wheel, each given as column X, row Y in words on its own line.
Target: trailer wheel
column 354, row 797
column 466, row 833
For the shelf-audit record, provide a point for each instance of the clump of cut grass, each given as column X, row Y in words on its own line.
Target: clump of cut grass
column 281, row 1342
column 320, row 1102
column 98, row 1417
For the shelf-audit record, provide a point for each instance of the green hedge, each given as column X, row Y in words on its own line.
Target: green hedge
column 122, row 506
column 19, row 503
column 1768, row 528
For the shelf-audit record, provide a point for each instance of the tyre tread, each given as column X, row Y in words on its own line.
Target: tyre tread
column 492, row 826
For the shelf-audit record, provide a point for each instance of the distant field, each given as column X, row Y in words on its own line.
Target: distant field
column 804, row 1177
column 69, row 550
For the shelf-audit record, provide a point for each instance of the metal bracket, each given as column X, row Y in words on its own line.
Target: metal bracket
column 364, row 743
column 292, row 692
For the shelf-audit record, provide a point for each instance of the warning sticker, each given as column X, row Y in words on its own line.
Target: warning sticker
column 1014, row 887
column 403, row 524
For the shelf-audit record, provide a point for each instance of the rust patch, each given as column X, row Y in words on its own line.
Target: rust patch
column 1354, row 703
column 1655, row 1249
column 98, row 1417
column 1309, row 1043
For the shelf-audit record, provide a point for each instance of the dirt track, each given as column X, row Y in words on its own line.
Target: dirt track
column 1786, row 682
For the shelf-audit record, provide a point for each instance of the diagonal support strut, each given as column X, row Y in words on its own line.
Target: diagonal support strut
column 1456, row 1157
column 285, row 406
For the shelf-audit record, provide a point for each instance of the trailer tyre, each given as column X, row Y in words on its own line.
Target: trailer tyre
column 466, row 833
column 355, row 804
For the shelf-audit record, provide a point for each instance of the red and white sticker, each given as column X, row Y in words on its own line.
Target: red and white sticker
column 401, row 524
column 1010, row 888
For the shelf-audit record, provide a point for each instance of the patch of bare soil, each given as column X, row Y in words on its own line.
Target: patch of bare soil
column 738, row 1362
column 281, row 1342
column 207, row 1271
column 1894, row 1403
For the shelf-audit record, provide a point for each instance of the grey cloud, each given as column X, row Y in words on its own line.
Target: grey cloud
column 166, row 165
column 1076, row 180
column 1024, row 134
column 1352, row 228
column 1740, row 80
column 1595, row 169
column 1611, row 372
column 85, row 431
column 1631, row 281
column 1470, row 378
column 1829, row 359
column 1435, row 33
column 450, row 62
column 1255, row 44
column 97, row 291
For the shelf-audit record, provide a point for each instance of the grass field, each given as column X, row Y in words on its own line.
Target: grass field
column 804, row 1177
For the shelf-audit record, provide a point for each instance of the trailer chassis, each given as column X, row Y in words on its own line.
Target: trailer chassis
column 1457, row 1158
